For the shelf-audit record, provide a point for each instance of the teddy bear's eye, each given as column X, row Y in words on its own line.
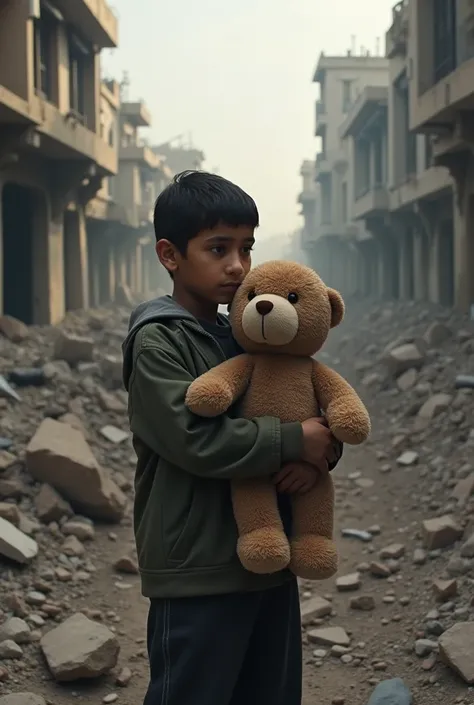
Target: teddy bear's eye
column 293, row 298
column 251, row 295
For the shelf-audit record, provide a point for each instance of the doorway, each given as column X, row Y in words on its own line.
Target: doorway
column 18, row 220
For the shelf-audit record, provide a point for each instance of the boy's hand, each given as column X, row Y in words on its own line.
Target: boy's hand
column 296, row 478
column 318, row 446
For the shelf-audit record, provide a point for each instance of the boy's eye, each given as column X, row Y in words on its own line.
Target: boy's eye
column 247, row 249
column 218, row 249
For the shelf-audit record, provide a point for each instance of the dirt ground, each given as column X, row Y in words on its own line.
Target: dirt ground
column 382, row 640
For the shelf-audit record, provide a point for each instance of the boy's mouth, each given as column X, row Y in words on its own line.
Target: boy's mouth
column 230, row 286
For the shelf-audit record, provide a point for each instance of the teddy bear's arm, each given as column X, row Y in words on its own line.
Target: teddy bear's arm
column 347, row 416
column 215, row 391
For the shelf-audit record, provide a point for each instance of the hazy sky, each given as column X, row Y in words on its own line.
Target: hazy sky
column 237, row 75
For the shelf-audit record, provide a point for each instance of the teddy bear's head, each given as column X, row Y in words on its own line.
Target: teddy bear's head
column 284, row 307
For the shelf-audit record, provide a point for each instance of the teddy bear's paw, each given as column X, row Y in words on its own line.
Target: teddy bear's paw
column 264, row 551
column 208, row 398
column 313, row 557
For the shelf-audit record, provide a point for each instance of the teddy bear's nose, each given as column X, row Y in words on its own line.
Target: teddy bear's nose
column 264, row 307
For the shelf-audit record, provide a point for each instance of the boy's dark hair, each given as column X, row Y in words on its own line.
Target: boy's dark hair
column 197, row 201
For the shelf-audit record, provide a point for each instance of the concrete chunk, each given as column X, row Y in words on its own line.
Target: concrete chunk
column 60, row 456
column 22, row 699
column 441, row 532
column 456, row 648
column 73, row 348
column 80, row 648
column 16, row 545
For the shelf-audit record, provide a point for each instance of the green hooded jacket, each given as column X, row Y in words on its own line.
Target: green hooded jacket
column 185, row 531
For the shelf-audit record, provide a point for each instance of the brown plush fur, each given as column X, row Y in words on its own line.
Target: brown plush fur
column 281, row 316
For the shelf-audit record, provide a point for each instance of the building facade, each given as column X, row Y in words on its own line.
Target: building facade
column 52, row 155
column 409, row 137
column 78, row 180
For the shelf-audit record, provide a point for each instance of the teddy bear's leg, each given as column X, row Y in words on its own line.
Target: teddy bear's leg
column 262, row 546
column 313, row 550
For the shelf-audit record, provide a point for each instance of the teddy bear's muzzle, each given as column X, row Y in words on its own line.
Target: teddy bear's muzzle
column 270, row 319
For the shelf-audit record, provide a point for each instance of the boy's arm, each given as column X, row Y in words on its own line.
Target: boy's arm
column 220, row 448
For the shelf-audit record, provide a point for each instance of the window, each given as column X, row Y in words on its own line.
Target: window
column 346, row 95
column 45, row 36
column 444, row 21
column 78, row 56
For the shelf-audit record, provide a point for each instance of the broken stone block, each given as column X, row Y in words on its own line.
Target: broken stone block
column 408, row 458
column 403, row 358
column 13, row 329
column 456, row 647
column 346, row 583
column 441, row 532
column 15, row 545
column 444, row 590
column 22, row 699
column 15, row 629
column 391, row 692
column 50, row 506
column 114, row 434
column 329, row 636
column 407, row 380
column 91, row 652
column 10, row 512
column 73, row 348
column 8, row 649
column 434, row 406
column 314, row 608
column 60, row 456
column 362, row 603
column 437, row 334
column 128, row 565
column 393, row 552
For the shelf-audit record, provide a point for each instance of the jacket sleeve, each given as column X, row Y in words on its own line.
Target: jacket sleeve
column 220, row 448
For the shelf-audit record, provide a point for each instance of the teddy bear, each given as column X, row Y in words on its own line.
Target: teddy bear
column 281, row 316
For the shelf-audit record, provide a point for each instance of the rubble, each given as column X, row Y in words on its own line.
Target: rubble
column 22, row 699
column 391, row 692
column 456, row 647
column 79, row 648
column 15, row 545
column 60, row 456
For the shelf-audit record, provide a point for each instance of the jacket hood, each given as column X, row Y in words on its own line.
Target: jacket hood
column 157, row 310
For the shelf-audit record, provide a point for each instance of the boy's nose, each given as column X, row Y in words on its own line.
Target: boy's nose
column 264, row 307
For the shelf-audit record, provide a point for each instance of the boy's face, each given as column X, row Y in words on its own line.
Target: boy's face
column 215, row 263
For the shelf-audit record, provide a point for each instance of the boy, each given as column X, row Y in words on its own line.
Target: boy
column 217, row 634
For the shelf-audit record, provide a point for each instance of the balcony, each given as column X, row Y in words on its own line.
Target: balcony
column 397, row 35
column 370, row 105
column 322, row 166
column 141, row 154
column 307, row 196
column 136, row 113
column 15, row 110
column 321, row 118
column 435, row 111
column 64, row 137
column 373, row 202
column 93, row 18
column 425, row 186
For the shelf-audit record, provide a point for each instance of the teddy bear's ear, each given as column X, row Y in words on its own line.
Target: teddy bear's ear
column 337, row 307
